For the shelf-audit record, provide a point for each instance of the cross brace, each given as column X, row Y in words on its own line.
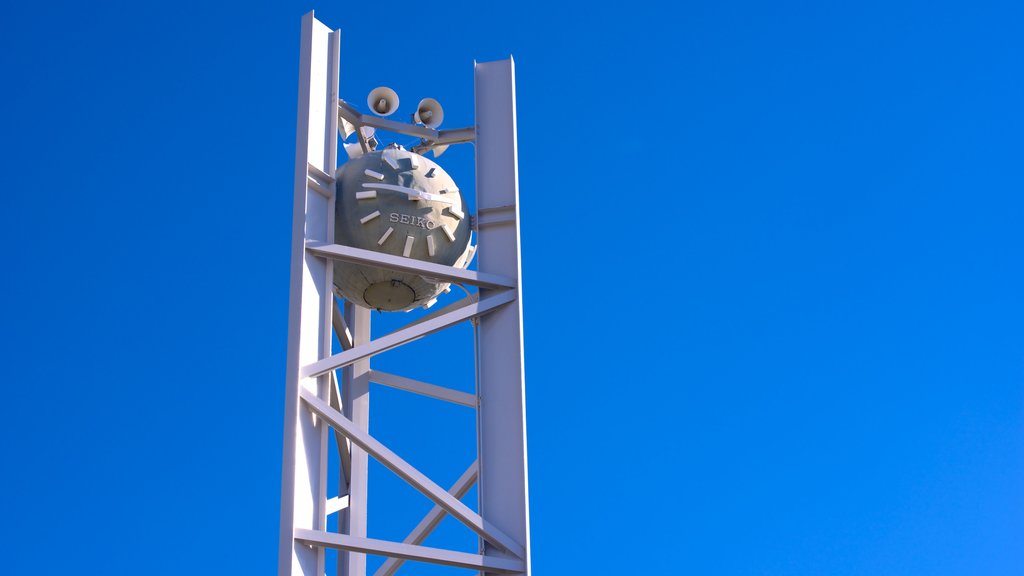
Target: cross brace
column 414, row 477
column 434, row 137
column 432, row 519
column 404, row 335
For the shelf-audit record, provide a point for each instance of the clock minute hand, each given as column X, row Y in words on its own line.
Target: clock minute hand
column 436, row 198
column 411, row 192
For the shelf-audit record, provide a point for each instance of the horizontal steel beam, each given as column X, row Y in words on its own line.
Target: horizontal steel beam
column 319, row 189
column 430, row 135
column 399, row 127
column 422, row 388
column 455, row 136
column 490, row 218
column 337, row 504
column 432, row 519
column 409, row 552
column 346, row 111
column 401, row 264
column 405, row 335
column 414, row 477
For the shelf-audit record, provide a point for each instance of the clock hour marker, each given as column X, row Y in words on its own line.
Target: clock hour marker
column 391, row 161
column 455, row 212
column 408, row 245
column 430, row 173
column 366, row 195
column 414, row 163
column 369, row 217
column 430, row 245
column 448, row 233
column 372, row 174
column 385, row 236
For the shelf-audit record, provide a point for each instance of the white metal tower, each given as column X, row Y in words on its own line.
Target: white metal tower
column 319, row 402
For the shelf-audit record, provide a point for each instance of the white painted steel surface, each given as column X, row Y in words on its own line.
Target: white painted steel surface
column 501, row 417
column 422, row 388
column 303, row 479
column 336, row 504
column 341, row 329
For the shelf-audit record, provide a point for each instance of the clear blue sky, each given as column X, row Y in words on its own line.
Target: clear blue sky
column 772, row 257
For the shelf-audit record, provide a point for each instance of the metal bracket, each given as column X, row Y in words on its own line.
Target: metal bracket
column 318, row 181
column 429, row 138
column 495, row 215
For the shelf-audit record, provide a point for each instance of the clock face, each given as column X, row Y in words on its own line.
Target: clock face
column 400, row 203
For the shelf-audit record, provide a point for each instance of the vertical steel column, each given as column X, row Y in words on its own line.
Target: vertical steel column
column 501, row 423
column 356, row 407
column 304, row 473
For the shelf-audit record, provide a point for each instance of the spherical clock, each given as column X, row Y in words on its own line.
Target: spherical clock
column 401, row 203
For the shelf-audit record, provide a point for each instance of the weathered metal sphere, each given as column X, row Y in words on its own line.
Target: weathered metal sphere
column 401, row 203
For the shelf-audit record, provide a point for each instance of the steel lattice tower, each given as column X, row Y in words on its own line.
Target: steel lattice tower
column 320, row 402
